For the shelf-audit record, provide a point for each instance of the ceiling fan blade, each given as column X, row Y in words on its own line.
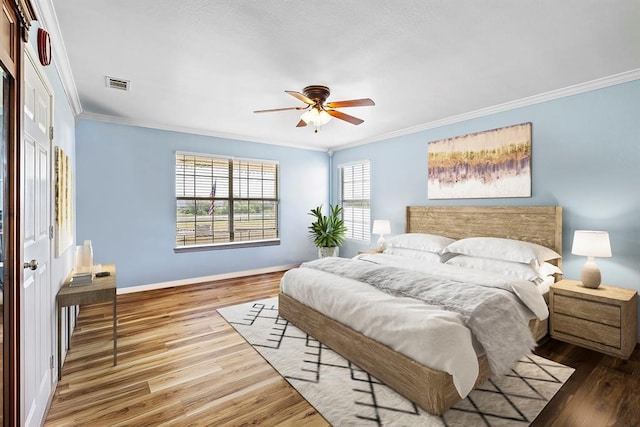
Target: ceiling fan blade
column 364, row 102
column 300, row 96
column 301, row 124
column 280, row 109
column 342, row 116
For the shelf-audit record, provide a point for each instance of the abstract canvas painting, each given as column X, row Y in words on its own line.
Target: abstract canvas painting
column 493, row 163
column 64, row 202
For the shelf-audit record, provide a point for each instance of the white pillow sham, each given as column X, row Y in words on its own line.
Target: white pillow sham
column 516, row 269
column 414, row 254
column 520, row 270
column 502, row 249
column 419, row 242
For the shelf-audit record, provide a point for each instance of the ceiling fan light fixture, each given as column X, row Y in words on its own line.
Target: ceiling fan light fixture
column 317, row 111
column 315, row 116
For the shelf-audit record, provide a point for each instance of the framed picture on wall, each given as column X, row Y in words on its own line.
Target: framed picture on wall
column 64, row 202
column 492, row 163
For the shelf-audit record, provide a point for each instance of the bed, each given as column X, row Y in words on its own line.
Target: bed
column 431, row 389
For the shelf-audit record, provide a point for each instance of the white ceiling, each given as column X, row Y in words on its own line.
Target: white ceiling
column 204, row 66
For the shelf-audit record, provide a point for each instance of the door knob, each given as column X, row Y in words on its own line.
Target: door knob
column 32, row 265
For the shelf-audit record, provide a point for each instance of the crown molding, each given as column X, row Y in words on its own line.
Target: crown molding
column 190, row 130
column 531, row 100
column 49, row 21
column 576, row 89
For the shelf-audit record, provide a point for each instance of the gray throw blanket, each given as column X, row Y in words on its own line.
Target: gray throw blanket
column 489, row 312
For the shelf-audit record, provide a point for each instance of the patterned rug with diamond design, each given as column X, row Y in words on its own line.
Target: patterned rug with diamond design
column 347, row 396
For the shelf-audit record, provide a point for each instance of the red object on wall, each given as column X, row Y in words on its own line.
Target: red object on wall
column 44, row 47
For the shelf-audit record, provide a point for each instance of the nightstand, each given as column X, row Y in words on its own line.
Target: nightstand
column 369, row 251
column 602, row 319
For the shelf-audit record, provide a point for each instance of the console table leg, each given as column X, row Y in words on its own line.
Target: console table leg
column 115, row 330
column 59, row 343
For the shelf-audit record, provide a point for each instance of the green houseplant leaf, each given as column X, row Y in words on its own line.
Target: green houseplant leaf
column 327, row 231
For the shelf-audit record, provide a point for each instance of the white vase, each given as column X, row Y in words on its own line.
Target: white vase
column 324, row 252
column 84, row 257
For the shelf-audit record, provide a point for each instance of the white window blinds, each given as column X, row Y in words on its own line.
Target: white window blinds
column 224, row 200
column 354, row 191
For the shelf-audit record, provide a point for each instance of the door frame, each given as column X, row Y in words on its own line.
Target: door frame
column 18, row 15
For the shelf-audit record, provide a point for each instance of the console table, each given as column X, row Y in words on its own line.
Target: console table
column 101, row 289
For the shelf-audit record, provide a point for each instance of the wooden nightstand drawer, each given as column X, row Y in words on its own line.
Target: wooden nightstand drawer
column 590, row 310
column 591, row 331
column 602, row 319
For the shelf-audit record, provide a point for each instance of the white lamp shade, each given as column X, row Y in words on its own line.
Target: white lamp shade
column 315, row 116
column 323, row 118
column 591, row 243
column 381, row 226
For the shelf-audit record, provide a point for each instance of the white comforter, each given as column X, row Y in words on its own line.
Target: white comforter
column 428, row 334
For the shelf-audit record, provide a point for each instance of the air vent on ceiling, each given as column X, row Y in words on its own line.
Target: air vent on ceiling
column 120, row 84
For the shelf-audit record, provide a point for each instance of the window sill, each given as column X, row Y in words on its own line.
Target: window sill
column 232, row 245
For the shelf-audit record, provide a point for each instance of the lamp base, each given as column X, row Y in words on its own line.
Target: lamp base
column 381, row 245
column 590, row 275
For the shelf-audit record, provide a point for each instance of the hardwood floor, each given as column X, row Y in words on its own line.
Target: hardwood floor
column 603, row 391
column 181, row 364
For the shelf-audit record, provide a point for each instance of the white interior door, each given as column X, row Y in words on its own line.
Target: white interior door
column 36, row 372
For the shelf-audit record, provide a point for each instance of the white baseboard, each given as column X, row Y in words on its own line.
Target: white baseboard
column 195, row 280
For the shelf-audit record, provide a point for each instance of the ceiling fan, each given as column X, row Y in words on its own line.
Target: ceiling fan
column 317, row 111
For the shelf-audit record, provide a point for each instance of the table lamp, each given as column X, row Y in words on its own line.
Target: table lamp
column 381, row 227
column 591, row 244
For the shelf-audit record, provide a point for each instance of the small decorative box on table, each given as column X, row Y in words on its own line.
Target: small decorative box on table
column 602, row 319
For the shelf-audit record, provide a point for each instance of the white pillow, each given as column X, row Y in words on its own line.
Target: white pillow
column 516, row 269
column 419, row 241
column 414, row 254
column 502, row 249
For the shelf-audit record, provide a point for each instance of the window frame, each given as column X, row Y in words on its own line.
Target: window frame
column 232, row 197
column 364, row 234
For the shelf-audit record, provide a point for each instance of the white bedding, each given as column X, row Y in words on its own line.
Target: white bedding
column 544, row 286
column 427, row 334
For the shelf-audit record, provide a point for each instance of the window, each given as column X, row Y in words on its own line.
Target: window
column 354, row 179
column 223, row 200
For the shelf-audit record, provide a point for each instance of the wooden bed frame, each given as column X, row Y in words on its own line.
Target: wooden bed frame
column 430, row 389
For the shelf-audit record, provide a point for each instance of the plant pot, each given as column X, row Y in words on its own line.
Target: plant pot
column 328, row 251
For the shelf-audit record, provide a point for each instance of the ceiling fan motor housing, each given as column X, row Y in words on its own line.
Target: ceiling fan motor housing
column 316, row 93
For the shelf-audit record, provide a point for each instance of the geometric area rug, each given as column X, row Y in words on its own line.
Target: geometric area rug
column 347, row 396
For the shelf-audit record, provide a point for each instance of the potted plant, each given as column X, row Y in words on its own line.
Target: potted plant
column 327, row 232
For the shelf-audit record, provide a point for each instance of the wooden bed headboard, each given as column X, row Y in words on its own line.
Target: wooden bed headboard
column 535, row 224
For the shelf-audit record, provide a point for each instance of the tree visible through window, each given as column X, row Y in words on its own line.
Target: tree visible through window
column 225, row 200
column 354, row 179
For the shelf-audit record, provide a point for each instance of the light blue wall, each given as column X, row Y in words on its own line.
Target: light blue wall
column 126, row 202
column 585, row 157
